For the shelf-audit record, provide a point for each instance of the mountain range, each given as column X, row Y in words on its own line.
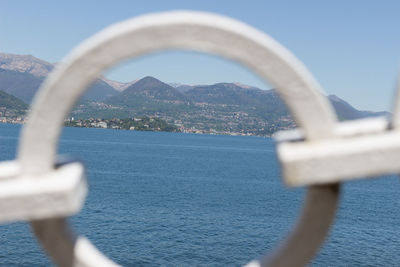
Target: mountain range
column 221, row 107
column 21, row 76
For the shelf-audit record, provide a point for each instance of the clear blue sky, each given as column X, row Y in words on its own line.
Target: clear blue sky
column 351, row 47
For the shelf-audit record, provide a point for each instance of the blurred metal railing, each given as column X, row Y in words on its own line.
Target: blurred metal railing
column 321, row 155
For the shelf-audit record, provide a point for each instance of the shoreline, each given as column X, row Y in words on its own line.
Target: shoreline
column 184, row 132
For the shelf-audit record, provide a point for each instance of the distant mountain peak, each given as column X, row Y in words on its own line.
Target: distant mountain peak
column 21, row 76
column 150, row 81
column 25, row 63
column 150, row 88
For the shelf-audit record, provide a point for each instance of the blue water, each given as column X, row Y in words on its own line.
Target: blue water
column 171, row 199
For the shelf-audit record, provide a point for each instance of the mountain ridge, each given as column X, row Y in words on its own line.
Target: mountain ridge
column 219, row 107
column 25, row 63
column 22, row 75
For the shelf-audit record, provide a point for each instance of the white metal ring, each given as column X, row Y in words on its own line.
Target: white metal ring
column 202, row 32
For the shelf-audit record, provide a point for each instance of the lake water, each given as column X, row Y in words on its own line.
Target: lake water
column 171, row 199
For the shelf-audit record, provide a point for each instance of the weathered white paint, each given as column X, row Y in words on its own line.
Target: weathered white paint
column 341, row 159
column 366, row 126
column 361, row 148
column 60, row 192
column 88, row 255
column 395, row 122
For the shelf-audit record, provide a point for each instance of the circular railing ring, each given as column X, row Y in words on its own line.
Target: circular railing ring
column 177, row 30
column 395, row 120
